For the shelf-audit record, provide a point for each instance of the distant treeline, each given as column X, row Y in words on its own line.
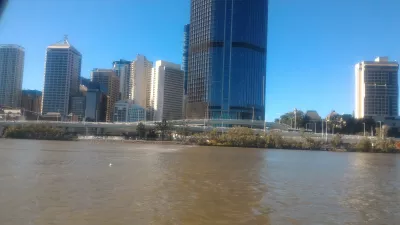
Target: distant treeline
column 245, row 137
column 37, row 132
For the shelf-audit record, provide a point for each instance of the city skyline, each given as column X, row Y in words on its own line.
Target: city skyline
column 321, row 54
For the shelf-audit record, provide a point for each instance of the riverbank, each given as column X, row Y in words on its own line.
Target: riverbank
column 38, row 133
column 235, row 137
column 245, row 137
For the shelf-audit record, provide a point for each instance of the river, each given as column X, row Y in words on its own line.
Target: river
column 104, row 183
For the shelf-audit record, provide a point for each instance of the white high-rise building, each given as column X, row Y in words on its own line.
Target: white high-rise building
column 376, row 91
column 61, row 77
column 11, row 74
column 139, row 85
column 166, row 95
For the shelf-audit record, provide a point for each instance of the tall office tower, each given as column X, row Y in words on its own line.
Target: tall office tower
column 31, row 100
column 107, row 78
column 185, row 55
column 166, row 91
column 11, row 72
column 123, row 71
column 227, row 59
column 140, row 81
column 96, row 103
column 61, row 77
column 185, row 61
column 377, row 90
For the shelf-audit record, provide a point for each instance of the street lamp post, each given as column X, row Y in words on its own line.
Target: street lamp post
column 252, row 118
column 364, row 129
column 326, row 130
column 322, row 128
column 279, row 117
column 380, row 129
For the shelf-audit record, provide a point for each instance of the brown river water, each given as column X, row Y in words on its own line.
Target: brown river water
column 113, row 183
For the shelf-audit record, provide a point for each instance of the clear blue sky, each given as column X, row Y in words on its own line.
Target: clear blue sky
column 312, row 44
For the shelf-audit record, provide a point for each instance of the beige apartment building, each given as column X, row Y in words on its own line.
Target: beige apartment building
column 376, row 89
column 108, row 79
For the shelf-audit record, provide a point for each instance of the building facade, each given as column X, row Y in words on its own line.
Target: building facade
column 227, row 59
column 77, row 107
column 376, row 91
column 185, row 55
column 11, row 75
column 166, row 91
column 96, row 105
column 31, row 100
column 123, row 71
column 107, row 78
column 127, row 111
column 61, row 77
column 140, row 81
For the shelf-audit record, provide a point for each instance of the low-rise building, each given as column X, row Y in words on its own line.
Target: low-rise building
column 77, row 107
column 31, row 100
column 313, row 116
column 127, row 111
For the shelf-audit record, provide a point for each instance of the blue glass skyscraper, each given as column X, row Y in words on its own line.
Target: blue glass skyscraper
column 227, row 59
column 185, row 55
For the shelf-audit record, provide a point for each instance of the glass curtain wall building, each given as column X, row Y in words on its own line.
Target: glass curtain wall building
column 122, row 70
column 227, row 59
column 61, row 77
column 185, row 55
column 11, row 74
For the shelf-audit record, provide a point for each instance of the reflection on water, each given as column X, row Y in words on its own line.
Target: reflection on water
column 115, row 183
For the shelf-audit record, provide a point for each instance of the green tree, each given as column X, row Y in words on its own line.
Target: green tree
column 163, row 127
column 141, row 130
column 151, row 134
column 289, row 119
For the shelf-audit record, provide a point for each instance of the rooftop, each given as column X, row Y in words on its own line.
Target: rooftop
column 12, row 46
column 63, row 44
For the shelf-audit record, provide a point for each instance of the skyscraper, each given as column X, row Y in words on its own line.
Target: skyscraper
column 122, row 70
column 107, row 78
column 140, row 81
column 377, row 91
column 185, row 55
column 61, row 77
column 11, row 74
column 166, row 91
column 227, row 59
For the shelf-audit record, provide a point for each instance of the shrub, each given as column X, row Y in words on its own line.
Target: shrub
column 337, row 141
column 364, row 145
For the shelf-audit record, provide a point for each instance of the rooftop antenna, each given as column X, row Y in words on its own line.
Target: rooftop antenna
column 66, row 39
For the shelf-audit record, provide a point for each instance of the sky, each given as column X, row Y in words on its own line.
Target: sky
column 313, row 45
